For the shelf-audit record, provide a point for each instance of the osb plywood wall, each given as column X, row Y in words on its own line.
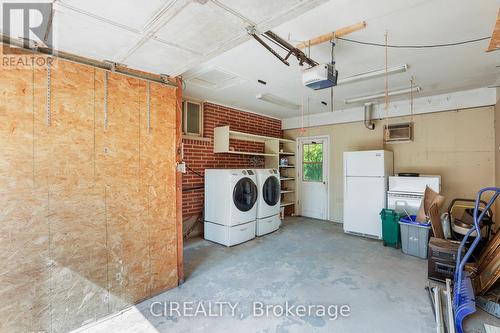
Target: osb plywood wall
column 87, row 219
column 497, row 151
column 458, row 145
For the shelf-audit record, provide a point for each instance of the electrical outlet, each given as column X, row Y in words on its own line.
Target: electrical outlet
column 181, row 167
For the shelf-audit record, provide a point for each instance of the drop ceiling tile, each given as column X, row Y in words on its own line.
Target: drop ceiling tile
column 202, row 28
column 131, row 13
column 78, row 34
column 159, row 58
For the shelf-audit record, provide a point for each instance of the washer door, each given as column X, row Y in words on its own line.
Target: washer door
column 245, row 194
column 271, row 191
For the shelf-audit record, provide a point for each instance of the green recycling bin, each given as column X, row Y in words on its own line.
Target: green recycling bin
column 390, row 227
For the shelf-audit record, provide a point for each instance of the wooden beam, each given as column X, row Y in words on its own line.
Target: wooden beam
column 329, row 36
column 178, row 184
column 495, row 37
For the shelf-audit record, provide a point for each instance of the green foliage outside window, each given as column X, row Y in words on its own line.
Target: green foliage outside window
column 312, row 164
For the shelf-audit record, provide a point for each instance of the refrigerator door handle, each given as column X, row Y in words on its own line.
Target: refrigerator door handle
column 345, row 175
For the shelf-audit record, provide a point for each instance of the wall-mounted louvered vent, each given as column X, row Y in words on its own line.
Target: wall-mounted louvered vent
column 398, row 133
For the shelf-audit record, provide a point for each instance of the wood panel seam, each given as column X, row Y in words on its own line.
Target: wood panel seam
column 93, row 120
column 33, row 120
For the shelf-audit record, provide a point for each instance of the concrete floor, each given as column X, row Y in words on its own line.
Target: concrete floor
column 305, row 262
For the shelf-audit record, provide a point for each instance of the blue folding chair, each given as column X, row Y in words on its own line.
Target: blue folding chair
column 464, row 302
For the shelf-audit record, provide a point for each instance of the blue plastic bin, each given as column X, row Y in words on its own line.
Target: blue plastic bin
column 414, row 236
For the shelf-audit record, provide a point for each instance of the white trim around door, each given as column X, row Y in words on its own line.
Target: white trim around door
column 313, row 188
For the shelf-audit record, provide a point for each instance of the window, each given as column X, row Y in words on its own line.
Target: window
column 192, row 118
column 312, row 162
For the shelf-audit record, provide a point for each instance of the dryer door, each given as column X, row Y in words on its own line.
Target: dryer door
column 245, row 194
column 271, row 191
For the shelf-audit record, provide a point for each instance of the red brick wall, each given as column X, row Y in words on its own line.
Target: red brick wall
column 199, row 155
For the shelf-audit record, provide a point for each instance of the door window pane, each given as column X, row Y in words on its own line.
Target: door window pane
column 313, row 172
column 312, row 162
column 313, row 152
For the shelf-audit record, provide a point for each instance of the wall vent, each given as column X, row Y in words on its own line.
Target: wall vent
column 402, row 132
column 214, row 78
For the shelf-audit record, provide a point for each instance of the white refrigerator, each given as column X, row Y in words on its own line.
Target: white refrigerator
column 365, row 190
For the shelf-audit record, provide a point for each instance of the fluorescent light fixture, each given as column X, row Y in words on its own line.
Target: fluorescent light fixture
column 373, row 74
column 381, row 95
column 270, row 98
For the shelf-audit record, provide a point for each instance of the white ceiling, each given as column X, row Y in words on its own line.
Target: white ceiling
column 161, row 36
column 437, row 71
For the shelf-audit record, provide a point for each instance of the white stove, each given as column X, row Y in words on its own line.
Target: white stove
column 405, row 193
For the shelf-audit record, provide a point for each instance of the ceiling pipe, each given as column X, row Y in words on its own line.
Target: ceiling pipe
column 368, row 120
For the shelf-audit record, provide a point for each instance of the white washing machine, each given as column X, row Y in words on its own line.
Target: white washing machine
column 268, row 201
column 230, row 209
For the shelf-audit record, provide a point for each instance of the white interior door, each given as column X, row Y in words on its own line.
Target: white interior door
column 312, row 176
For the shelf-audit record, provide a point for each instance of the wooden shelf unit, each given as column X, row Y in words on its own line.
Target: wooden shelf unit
column 274, row 150
column 224, row 133
column 287, row 149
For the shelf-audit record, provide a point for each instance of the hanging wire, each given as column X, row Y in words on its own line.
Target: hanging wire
column 308, row 116
column 195, row 172
column 33, row 120
column 302, row 130
column 331, row 100
column 48, row 109
column 424, row 46
column 412, row 84
column 332, row 41
column 386, row 132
